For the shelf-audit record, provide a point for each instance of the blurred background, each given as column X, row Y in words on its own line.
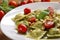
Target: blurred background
column 34, row 0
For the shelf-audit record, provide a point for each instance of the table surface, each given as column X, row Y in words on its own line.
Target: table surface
column 3, row 37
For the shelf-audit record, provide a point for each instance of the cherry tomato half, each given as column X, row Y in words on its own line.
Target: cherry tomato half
column 2, row 13
column 22, row 28
column 49, row 24
column 45, row 0
column 27, row 11
column 13, row 3
column 22, row 3
column 33, row 19
column 51, row 11
column 30, row 1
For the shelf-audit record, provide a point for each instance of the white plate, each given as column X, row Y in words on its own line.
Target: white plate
column 8, row 26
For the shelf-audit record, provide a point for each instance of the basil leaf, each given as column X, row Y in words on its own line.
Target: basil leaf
column 4, row 3
column 46, row 10
column 5, row 7
column 42, row 15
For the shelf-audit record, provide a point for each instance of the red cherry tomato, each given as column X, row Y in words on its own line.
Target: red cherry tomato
column 1, row 14
column 51, row 11
column 33, row 19
column 45, row 0
column 22, row 28
column 22, row 3
column 49, row 24
column 13, row 3
column 30, row 1
column 27, row 11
